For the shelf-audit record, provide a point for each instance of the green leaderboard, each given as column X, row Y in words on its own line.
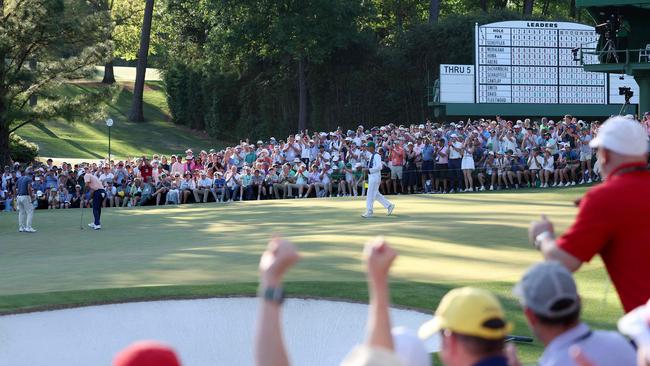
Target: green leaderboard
column 534, row 68
column 529, row 110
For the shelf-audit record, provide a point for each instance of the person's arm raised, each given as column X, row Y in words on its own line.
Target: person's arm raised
column 280, row 255
column 542, row 236
column 379, row 257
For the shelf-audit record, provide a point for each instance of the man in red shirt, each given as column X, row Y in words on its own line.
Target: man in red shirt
column 145, row 169
column 612, row 217
column 396, row 164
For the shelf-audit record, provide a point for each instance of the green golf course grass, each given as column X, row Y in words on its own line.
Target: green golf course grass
column 213, row 249
column 89, row 139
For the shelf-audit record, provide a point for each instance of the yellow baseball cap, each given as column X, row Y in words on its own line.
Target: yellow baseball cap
column 469, row 311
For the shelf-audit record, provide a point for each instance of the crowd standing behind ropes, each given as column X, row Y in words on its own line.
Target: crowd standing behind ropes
column 464, row 156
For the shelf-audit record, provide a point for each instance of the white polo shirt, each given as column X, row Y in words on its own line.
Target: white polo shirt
column 453, row 154
column 606, row 348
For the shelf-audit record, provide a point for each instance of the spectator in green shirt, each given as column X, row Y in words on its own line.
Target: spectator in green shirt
column 250, row 156
column 337, row 179
column 246, row 184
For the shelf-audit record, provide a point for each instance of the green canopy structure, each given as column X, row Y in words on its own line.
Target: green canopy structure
column 599, row 3
column 631, row 56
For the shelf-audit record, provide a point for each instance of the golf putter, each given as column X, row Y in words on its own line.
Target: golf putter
column 518, row 339
column 81, row 220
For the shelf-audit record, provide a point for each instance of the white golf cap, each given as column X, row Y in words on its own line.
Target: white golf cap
column 623, row 136
column 636, row 325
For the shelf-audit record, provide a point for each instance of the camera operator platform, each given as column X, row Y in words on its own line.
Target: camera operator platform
column 625, row 33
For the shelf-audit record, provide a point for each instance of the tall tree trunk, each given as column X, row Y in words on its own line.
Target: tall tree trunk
column 302, row 95
column 500, row 4
column 136, row 114
column 572, row 9
column 33, row 99
column 434, row 11
column 484, row 5
column 528, row 7
column 5, row 153
column 109, row 73
column 5, row 158
column 545, row 7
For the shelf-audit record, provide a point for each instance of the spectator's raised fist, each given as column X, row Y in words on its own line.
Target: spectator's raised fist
column 538, row 227
column 379, row 256
column 279, row 256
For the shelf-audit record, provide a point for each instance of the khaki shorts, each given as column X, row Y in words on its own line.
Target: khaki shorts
column 396, row 172
column 585, row 156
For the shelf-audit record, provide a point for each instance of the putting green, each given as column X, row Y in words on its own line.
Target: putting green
column 213, row 250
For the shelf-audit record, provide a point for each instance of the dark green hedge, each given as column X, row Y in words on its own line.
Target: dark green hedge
column 364, row 82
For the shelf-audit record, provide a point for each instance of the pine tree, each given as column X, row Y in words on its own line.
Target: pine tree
column 63, row 40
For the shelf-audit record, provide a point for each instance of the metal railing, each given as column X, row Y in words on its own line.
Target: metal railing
column 595, row 56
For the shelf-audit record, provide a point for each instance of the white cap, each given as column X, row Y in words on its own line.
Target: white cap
column 623, row 136
column 636, row 324
column 409, row 348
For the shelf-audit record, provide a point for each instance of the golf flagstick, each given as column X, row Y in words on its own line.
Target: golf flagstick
column 81, row 206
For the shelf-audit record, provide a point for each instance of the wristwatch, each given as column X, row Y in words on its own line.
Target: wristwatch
column 272, row 294
column 541, row 237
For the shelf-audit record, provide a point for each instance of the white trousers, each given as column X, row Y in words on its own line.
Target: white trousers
column 373, row 193
column 25, row 211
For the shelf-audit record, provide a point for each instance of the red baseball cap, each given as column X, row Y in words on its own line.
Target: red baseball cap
column 147, row 353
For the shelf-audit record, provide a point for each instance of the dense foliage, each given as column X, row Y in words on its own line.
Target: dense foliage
column 45, row 43
column 22, row 150
column 234, row 68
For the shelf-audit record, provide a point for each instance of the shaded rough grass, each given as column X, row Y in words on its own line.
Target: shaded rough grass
column 64, row 139
column 211, row 250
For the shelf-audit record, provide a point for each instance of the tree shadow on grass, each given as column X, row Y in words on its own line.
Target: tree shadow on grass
column 45, row 130
column 494, row 201
column 71, row 142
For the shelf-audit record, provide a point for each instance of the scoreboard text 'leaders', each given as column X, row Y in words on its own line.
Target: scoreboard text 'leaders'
column 531, row 62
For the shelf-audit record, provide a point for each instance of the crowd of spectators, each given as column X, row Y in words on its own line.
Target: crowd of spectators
column 464, row 156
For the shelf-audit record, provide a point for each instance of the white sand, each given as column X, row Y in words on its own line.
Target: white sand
column 204, row 332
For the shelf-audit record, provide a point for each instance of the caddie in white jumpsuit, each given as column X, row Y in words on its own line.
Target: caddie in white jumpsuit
column 374, row 178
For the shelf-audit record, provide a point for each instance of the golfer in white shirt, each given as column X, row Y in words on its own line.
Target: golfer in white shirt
column 374, row 178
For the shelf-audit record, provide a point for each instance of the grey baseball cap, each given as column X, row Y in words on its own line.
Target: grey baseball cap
column 549, row 290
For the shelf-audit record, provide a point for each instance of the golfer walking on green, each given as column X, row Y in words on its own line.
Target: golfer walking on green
column 374, row 178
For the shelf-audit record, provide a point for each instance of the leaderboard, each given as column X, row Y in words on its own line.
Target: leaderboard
column 531, row 62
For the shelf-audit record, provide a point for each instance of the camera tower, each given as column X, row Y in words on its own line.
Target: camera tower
column 636, row 13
